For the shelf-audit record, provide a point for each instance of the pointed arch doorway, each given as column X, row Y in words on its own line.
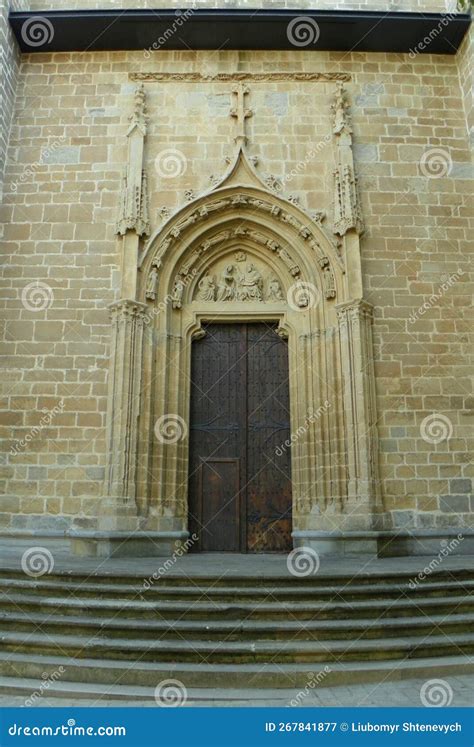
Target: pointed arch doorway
column 239, row 491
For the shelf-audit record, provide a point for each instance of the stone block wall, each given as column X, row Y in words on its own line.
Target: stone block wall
column 66, row 157
column 9, row 66
column 429, row 6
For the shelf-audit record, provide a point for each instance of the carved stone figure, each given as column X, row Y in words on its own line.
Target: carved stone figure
column 328, row 278
column 226, row 287
column 250, row 284
column 274, row 292
column 151, row 283
column 207, row 288
column 292, row 266
column 177, row 293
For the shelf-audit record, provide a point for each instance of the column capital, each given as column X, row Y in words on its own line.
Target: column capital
column 357, row 308
column 126, row 309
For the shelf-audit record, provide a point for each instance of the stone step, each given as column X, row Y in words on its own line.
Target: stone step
column 119, row 680
column 241, row 652
column 172, row 579
column 236, row 630
column 268, row 609
column 189, row 593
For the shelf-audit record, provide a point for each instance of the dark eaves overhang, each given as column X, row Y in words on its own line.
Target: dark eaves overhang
column 344, row 31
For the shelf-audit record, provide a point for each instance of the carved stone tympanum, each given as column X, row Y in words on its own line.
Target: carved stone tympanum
column 242, row 281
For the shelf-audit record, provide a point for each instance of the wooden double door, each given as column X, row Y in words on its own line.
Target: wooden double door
column 239, row 467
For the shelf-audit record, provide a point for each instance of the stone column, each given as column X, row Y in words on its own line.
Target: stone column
column 128, row 320
column 355, row 332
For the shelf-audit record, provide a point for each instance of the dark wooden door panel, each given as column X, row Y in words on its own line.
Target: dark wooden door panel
column 239, row 490
column 268, row 425
column 220, row 505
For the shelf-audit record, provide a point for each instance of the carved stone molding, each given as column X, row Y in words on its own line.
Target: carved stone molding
column 310, row 77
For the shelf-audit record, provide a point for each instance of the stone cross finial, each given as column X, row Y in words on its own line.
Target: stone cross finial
column 139, row 117
column 240, row 112
column 340, row 107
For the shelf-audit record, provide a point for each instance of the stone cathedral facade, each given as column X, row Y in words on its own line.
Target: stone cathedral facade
column 326, row 195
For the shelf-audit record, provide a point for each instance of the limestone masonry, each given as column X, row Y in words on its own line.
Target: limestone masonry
column 105, row 154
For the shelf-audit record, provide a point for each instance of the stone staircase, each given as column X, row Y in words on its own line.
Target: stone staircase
column 116, row 639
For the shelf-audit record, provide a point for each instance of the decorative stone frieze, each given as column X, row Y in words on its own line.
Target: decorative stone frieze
column 314, row 77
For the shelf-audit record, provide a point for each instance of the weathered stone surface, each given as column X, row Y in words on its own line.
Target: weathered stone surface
column 62, row 188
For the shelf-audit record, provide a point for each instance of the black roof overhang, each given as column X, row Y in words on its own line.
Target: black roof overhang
column 359, row 31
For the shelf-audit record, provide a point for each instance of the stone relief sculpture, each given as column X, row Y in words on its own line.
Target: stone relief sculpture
column 244, row 283
column 250, row 284
column 226, row 287
column 207, row 288
column 274, row 292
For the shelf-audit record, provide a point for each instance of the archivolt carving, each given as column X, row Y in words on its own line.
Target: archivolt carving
column 254, row 206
